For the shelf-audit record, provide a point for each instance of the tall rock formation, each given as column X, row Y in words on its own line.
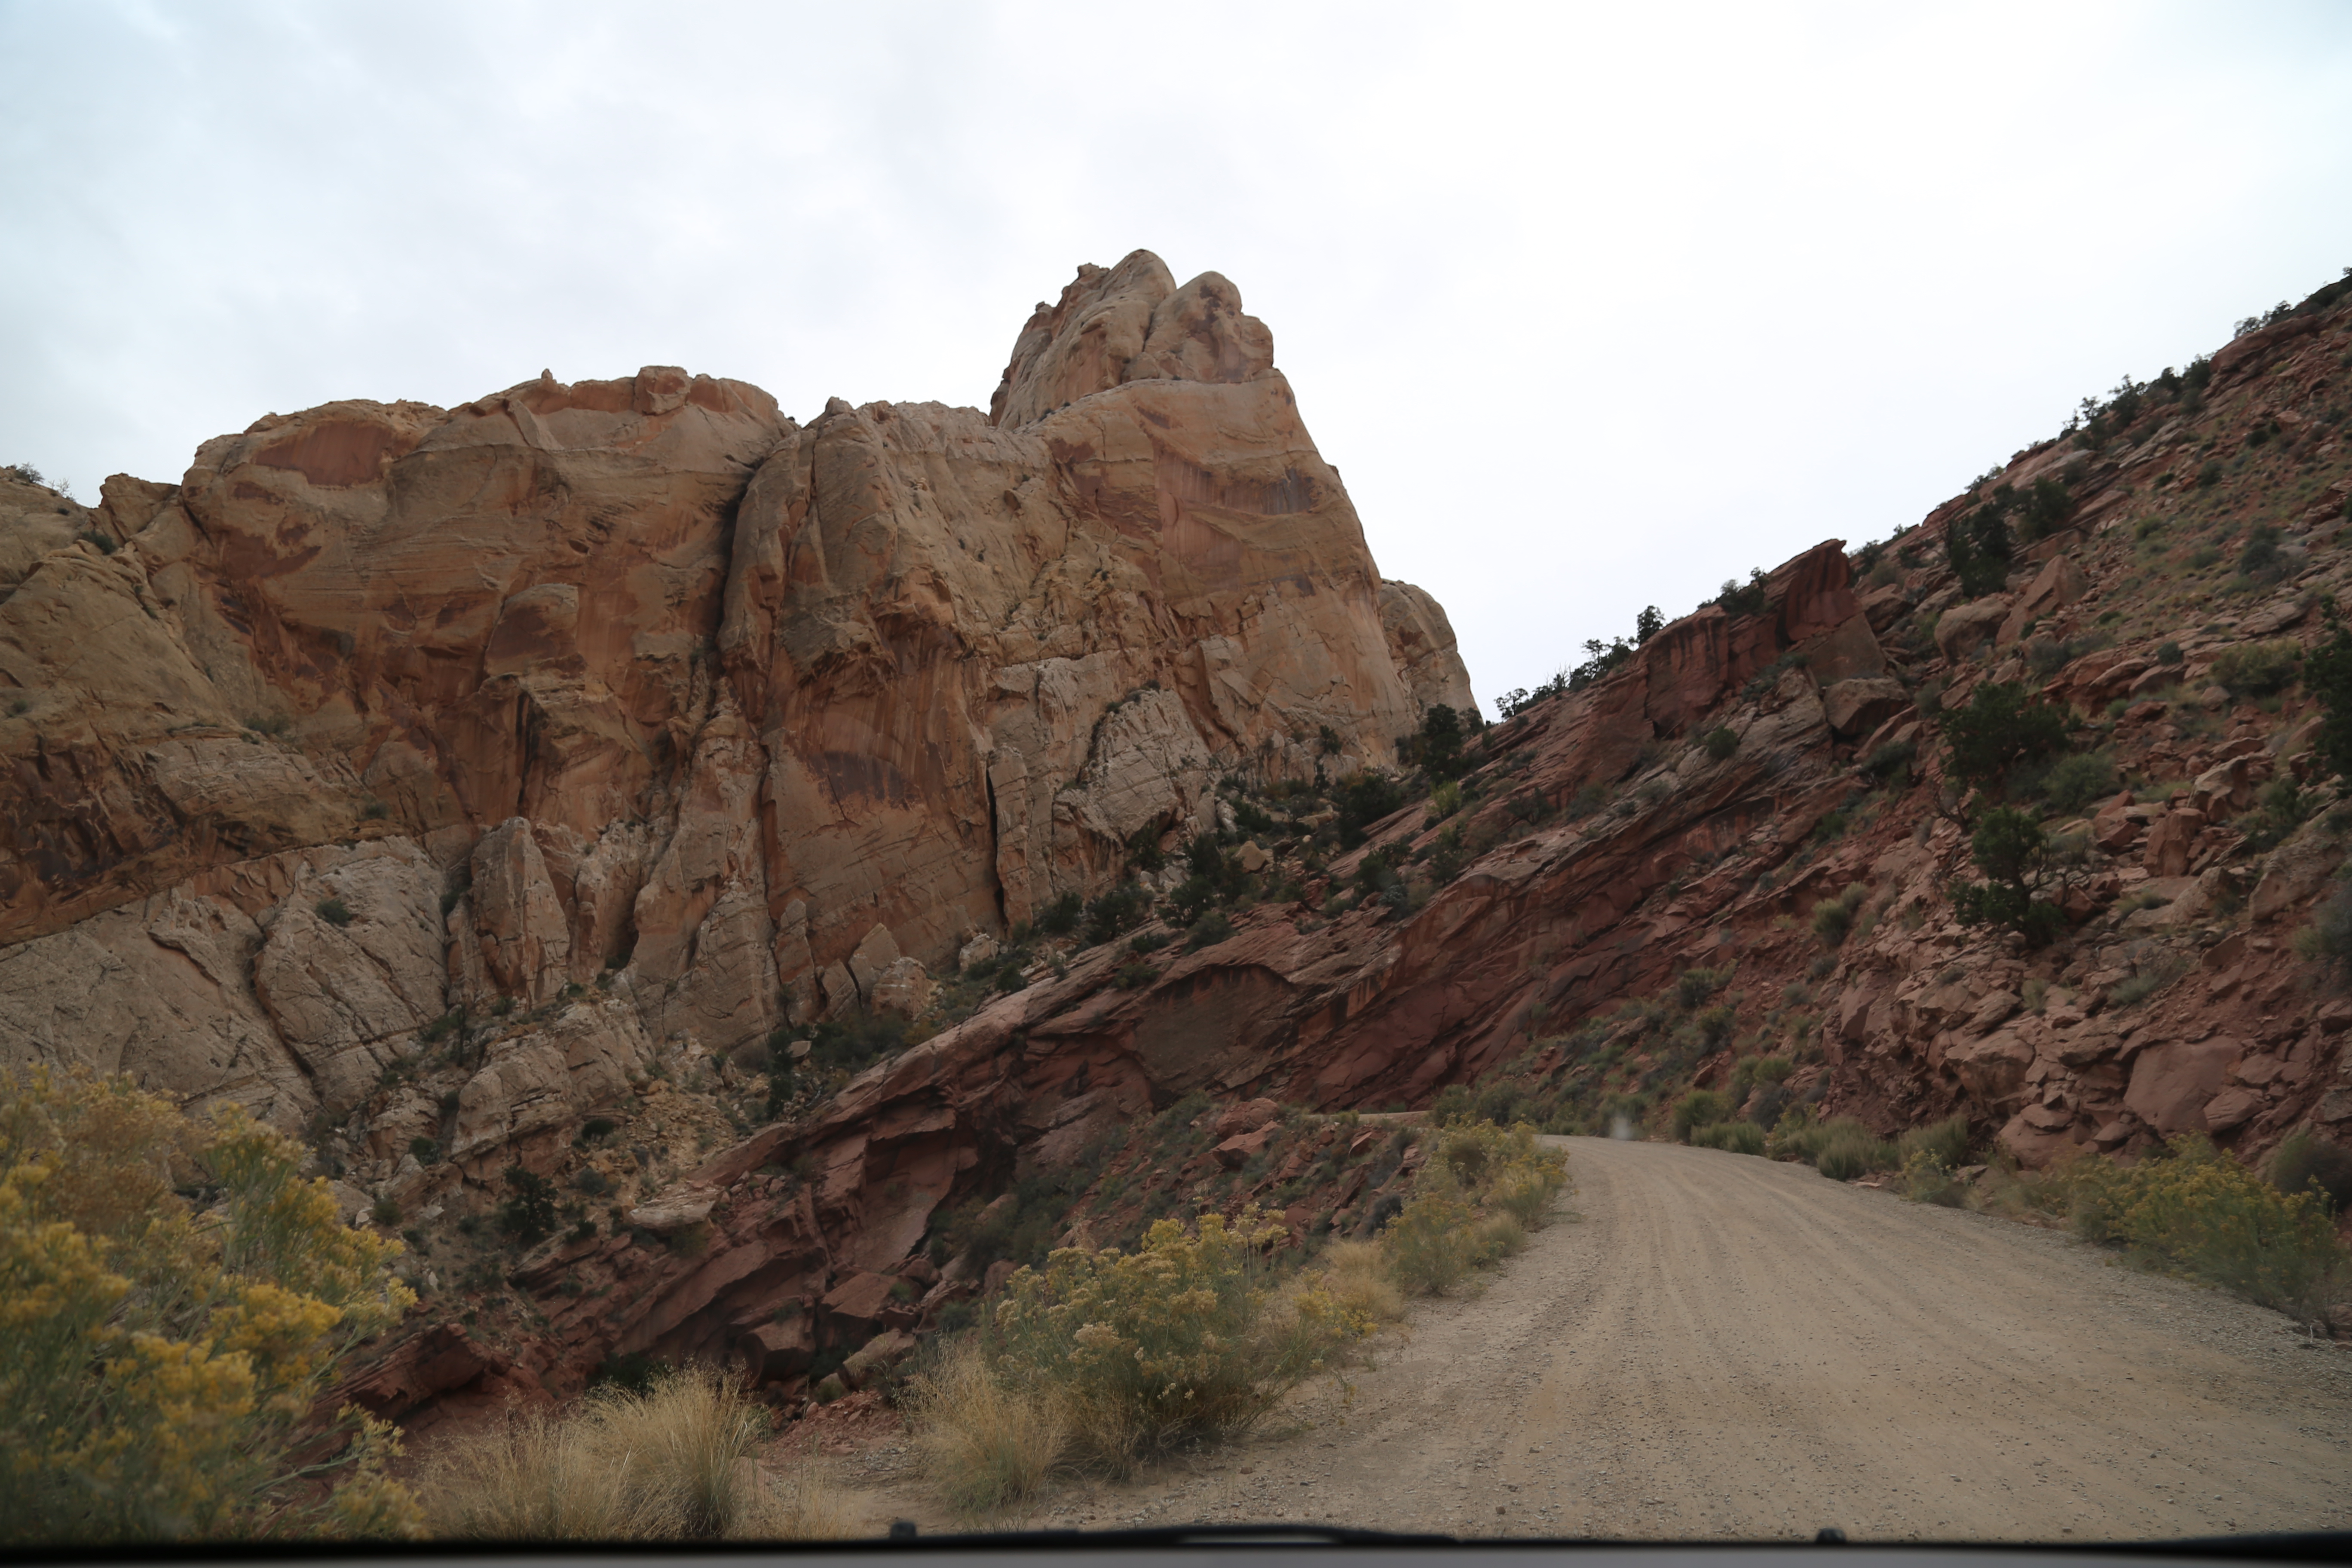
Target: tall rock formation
column 387, row 710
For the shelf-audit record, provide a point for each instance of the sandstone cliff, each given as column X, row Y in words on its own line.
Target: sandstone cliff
column 643, row 685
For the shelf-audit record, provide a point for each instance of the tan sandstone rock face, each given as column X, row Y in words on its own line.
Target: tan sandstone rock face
column 641, row 684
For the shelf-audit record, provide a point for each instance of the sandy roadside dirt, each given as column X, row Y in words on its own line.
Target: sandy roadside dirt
column 1709, row 1346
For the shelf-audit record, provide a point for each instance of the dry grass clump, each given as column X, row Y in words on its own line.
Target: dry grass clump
column 1356, row 1275
column 987, row 1443
column 673, row 1463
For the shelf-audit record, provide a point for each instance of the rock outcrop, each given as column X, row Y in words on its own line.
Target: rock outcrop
column 642, row 677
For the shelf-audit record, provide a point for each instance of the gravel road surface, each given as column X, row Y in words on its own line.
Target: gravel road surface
column 1712, row 1346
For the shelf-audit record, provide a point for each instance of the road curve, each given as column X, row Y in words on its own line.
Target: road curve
column 1716, row 1346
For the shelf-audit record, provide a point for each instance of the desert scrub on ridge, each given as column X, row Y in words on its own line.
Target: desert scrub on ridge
column 158, row 1360
column 1104, row 1357
column 1479, row 1193
column 670, row 1462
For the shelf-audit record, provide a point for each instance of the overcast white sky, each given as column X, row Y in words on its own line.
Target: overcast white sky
column 1593, row 307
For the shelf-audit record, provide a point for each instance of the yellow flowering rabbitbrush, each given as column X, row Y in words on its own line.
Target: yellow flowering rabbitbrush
column 1482, row 1190
column 1183, row 1337
column 158, row 1362
column 2195, row 1210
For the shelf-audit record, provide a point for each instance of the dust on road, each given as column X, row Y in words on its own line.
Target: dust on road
column 1721, row 1347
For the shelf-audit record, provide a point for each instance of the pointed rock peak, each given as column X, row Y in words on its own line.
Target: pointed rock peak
column 1129, row 323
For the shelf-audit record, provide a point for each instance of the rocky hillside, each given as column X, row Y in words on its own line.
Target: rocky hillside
column 727, row 888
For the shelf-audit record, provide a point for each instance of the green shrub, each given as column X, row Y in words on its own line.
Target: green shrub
column 2196, row 1211
column 1116, row 911
column 1924, row 1179
column 1891, row 760
column 2168, row 653
column 334, row 911
column 2258, row 670
column 2306, row 1162
column 1797, row 1138
column 1193, row 897
column 1588, row 799
column 2010, row 847
column 1977, row 544
column 1699, row 1108
column 103, row 543
column 1720, row 742
column 2328, row 676
column 1364, row 799
column 2073, row 782
column 2282, row 807
column 2003, row 727
column 1842, row 1159
column 855, row 1043
column 1060, row 918
column 528, row 1213
column 1946, row 1141
column 1842, row 1149
column 1441, row 741
column 1732, row 1137
column 1833, row 918
column 2048, row 503
column 1208, row 930
column 2261, row 558
column 1695, row 986
column 1439, row 1237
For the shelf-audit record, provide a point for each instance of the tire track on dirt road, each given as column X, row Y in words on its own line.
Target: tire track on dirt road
column 1722, row 1347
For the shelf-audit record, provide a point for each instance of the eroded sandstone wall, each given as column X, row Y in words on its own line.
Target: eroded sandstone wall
column 642, row 689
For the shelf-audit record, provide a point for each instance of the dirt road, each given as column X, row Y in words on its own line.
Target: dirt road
column 1719, row 1347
